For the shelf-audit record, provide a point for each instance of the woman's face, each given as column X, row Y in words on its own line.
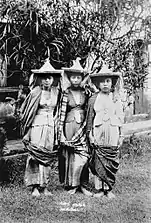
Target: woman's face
column 105, row 85
column 47, row 81
column 75, row 80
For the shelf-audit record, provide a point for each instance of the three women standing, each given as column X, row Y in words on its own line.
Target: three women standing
column 38, row 128
column 98, row 117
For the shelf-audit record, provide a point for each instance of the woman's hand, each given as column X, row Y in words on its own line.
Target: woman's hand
column 63, row 141
column 92, row 139
column 120, row 141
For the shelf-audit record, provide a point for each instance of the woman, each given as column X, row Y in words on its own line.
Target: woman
column 38, row 128
column 73, row 148
column 104, row 129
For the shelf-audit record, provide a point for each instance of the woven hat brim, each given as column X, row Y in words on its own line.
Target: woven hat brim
column 95, row 78
column 69, row 70
column 46, row 72
column 112, row 75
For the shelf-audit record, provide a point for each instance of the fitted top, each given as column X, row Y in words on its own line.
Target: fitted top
column 107, row 111
column 76, row 111
column 48, row 101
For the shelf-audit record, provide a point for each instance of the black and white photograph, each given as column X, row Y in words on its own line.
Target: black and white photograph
column 75, row 111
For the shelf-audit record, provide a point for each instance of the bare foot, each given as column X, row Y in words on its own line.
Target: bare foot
column 110, row 195
column 72, row 191
column 98, row 195
column 47, row 193
column 35, row 193
column 86, row 192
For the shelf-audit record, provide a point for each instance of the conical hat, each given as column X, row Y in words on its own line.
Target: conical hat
column 47, row 68
column 105, row 72
column 75, row 69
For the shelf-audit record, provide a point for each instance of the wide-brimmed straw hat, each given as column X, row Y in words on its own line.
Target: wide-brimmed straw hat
column 76, row 69
column 104, row 73
column 47, row 68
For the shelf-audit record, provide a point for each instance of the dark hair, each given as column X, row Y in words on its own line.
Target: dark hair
column 37, row 79
column 74, row 74
column 96, row 81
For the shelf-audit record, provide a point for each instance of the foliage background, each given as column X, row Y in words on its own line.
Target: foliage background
column 96, row 31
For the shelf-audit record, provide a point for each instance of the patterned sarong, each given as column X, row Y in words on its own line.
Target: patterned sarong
column 79, row 139
column 77, row 145
column 104, row 163
column 28, row 113
column 40, row 153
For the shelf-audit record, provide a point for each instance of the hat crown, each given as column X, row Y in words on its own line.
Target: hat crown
column 76, row 65
column 105, row 70
column 46, row 67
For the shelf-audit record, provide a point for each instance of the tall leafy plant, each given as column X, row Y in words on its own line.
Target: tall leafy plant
column 64, row 30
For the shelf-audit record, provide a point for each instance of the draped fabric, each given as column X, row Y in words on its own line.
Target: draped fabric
column 40, row 153
column 90, row 113
column 36, row 174
column 73, row 152
column 29, row 108
column 29, row 111
column 103, row 123
column 79, row 139
column 104, row 163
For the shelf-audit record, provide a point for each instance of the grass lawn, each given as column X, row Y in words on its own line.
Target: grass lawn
column 131, row 205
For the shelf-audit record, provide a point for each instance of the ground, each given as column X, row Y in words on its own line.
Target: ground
column 131, row 205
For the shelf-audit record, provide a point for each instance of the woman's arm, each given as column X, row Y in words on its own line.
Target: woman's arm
column 90, row 113
column 58, row 93
column 119, row 111
column 29, row 109
column 120, row 115
column 62, row 115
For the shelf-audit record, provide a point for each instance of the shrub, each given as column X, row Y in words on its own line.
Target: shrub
column 2, row 140
column 135, row 146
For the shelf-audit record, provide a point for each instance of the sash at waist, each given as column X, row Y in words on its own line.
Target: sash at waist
column 44, row 117
column 113, row 120
column 45, row 110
